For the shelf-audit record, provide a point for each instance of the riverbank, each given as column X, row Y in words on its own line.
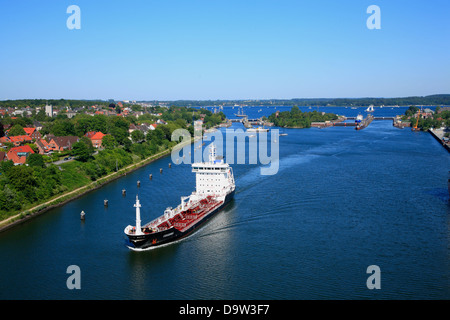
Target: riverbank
column 74, row 194
column 438, row 134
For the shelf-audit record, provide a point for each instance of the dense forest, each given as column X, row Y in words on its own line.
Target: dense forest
column 298, row 119
column 433, row 100
column 24, row 186
column 33, row 103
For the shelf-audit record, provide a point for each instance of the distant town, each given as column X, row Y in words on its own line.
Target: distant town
column 51, row 148
column 28, row 130
column 43, row 126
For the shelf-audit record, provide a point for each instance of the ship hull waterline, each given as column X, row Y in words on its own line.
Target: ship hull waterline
column 172, row 235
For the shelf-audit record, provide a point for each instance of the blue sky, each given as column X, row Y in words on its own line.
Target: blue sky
column 246, row 49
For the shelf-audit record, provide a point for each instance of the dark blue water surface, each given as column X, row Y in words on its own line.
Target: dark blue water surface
column 342, row 200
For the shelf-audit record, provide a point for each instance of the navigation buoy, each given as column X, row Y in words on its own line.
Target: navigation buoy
column 150, row 176
column 170, row 165
column 138, row 183
column 105, row 202
column 160, row 170
column 124, row 192
column 82, row 214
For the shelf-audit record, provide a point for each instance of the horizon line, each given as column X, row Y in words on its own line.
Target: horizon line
column 246, row 99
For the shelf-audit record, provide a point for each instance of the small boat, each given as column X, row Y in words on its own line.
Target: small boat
column 259, row 129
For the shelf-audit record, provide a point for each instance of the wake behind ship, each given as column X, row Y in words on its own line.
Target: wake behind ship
column 214, row 189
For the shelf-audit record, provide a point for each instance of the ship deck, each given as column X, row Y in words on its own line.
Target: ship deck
column 183, row 220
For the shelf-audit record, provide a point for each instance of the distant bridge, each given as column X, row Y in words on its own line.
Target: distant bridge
column 375, row 118
column 245, row 119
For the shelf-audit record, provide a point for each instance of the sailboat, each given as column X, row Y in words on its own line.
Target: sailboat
column 240, row 113
column 370, row 108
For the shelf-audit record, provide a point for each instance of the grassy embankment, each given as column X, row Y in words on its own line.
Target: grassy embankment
column 78, row 184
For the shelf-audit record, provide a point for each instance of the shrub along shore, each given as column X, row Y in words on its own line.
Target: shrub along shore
column 74, row 194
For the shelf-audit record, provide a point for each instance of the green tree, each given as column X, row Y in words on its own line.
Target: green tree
column 120, row 134
column 41, row 116
column 21, row 177
column 16, row 130
column 109, row 142
column 99, row 123
column 412, row 110
column 137, row 136
column 9, row 200
column 88, row 143
column 35, row 160
column 81, row 151
column 5, row 166
column 63, row 128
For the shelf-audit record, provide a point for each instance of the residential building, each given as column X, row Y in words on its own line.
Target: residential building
column 62, row 143
column 19, row 155
column 42, row 145
column 37, row 125
column 4, row 140
column 97, row 139
column 90, row 134
column 33, row 133
column 18, row 140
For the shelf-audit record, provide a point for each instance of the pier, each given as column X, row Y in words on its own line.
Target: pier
column 439, row 135
column 341, row 122
column 365, row 122
column 358, row 126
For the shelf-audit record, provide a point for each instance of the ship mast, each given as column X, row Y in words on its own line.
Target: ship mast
column 212, row 153
column 138, row 217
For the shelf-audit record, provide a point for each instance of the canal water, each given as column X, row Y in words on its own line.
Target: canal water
column 341, row 201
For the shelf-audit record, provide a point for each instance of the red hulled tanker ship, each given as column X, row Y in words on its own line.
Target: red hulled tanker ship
column 214, row 189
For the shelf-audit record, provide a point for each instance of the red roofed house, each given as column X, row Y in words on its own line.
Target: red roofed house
column 18, row 140
column 97, row 139
column 42, row 146
column 19, row 154
column 62, row 143
column 3, row 140
column 33, row 133
column 90, row 134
